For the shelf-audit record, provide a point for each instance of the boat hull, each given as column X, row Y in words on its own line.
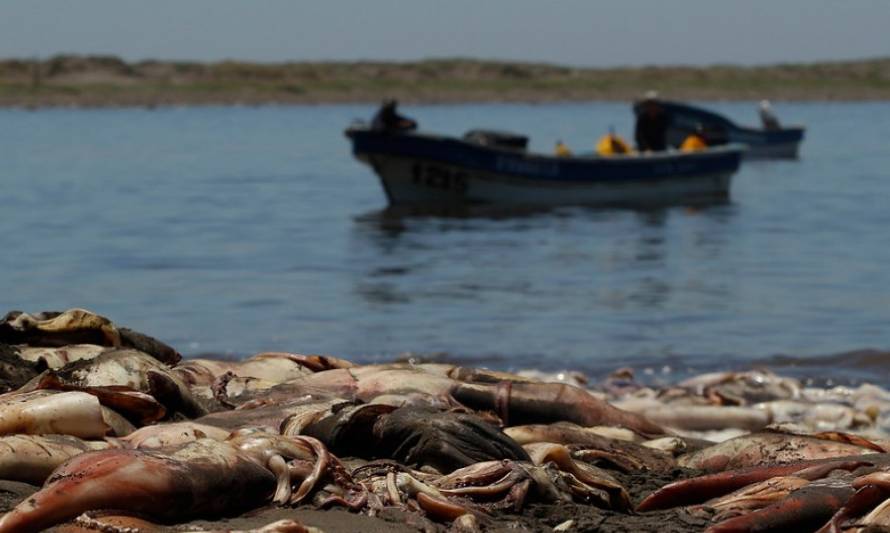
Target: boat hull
column 778, row 144
column 413, row 182
column 427, row 170
column 761, row 144
column 789, row 150
column 781, row 143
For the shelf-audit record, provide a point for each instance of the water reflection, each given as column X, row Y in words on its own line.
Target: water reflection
column 381, row 293
column 580, row 264
column 649, row 293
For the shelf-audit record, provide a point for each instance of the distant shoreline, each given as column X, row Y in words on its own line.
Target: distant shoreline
column 106, row 81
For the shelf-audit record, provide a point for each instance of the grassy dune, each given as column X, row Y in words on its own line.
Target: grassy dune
column 110, row 81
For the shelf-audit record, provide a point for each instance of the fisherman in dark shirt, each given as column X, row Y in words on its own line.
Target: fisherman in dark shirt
column 388, row 119
column 652, row 124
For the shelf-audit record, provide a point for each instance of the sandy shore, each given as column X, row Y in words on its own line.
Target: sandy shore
column 100, row 81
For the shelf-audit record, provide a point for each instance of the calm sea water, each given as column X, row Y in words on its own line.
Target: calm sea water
column 238, row 230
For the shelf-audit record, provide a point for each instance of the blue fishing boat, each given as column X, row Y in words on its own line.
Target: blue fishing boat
column 496, row 168
column 773, row 143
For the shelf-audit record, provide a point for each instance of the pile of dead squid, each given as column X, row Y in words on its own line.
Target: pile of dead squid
column 123, row 435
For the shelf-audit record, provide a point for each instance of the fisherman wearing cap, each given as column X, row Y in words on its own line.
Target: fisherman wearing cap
column 650, row 132
column 767, row 117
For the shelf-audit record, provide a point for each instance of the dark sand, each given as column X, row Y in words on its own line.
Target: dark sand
column 534, row 517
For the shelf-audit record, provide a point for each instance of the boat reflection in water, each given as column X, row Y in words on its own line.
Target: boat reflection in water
column 495, row 168
column 486, row 282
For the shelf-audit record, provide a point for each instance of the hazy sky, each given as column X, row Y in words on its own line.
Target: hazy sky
column 577, row 32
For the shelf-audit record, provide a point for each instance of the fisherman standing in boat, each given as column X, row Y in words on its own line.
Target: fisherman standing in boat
column 767, row 117
column 650, row 132
column 388, row 119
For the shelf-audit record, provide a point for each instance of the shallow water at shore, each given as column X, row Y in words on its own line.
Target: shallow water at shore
column 237, row 230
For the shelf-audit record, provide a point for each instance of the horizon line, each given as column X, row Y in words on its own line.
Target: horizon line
column 430, row 59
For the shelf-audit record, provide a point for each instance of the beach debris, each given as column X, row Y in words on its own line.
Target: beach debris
column 558, row 455
column 530, row 403
column 15, row 371
column 804, row 509
column 55, row 357
column 107, row 418
column 201, row 478
column 699, row 489
column 128, row 369
column 754, row 497
column 867, row 499
column 588, row 445
column 444, row 440
column 173, row 434
column 564, row 526
column 108, row 522
column 78, row 326
column 769, row 449
column 31, row 458
column 49, row 412
column 742, row 388
column 268, row 368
